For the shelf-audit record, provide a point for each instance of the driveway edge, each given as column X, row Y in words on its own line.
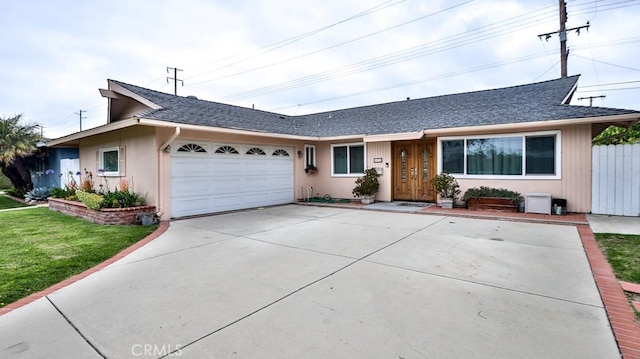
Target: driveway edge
column 162, row 227
column 621, row 317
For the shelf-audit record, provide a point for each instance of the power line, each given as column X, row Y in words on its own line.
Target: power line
column 612, row 83
column 329, row 47
column 279, row 44
column 385, row 60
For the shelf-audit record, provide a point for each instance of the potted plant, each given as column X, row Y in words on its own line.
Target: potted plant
column 367, row 186
column 496, row 199
column 147, row 218
column 448, row 189
column 311, row 169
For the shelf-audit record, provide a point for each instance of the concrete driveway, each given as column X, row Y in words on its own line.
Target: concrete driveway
column 316, row 282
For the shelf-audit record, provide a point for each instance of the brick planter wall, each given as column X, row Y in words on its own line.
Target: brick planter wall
column 492, row 204
column 101, row 216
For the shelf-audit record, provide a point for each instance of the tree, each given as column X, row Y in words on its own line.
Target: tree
column 17, row 145
column 615, row 135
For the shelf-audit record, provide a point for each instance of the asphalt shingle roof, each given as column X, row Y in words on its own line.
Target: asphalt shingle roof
column 540, row 101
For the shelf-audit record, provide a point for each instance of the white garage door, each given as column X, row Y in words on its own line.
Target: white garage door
column 216, row 177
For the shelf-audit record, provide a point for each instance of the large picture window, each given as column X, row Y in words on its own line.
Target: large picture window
column 505, row 155
column 348, row 159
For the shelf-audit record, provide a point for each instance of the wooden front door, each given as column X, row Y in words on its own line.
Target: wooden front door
column 413, row 168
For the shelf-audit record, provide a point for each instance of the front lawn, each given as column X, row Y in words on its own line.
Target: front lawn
column 623, row 253
column 6, row 203
column 39, row 248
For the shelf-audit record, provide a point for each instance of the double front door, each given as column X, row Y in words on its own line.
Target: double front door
column 413, row 168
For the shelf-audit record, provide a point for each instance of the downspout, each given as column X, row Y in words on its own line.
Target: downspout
column 161, row 152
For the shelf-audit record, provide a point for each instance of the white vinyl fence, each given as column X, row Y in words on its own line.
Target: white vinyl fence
column 616, row 180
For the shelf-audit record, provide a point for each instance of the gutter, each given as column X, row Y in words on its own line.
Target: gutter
column 162, row 150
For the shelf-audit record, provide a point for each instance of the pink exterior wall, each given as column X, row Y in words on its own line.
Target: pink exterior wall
column 144, row 161
column 342, row 186
column 575, row 182
column 141, row 165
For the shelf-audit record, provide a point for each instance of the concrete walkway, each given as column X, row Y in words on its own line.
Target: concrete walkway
column 318, row 282
column 614, row 224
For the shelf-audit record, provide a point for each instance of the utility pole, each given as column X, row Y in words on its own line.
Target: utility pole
column 562, row 33
column 590, row 98
column 79, row 113
column 175, row 79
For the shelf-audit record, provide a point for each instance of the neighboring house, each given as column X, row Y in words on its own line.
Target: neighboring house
column 190, row 156
column 53, row 166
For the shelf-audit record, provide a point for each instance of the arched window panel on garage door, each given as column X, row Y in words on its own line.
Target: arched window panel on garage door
column 256, row 151
column 227, row 150
column 280, row 152
column 192, row 148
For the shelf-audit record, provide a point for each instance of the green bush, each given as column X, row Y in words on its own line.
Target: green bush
column 482, row 191
column 446, row 185
column 63, row 193
column 15, row 192
column 367, row 185
column 91, row 200
column 4, row 182
column 122, row 199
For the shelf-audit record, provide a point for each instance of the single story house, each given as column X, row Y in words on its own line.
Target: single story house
column 189, row 156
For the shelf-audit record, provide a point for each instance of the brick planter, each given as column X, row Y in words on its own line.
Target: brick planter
column 492, row 204
column 101, row 216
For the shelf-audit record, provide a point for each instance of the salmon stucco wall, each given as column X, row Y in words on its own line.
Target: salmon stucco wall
column 575, row 182
column 140, row 160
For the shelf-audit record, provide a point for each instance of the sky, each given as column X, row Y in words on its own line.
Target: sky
column 301, row 57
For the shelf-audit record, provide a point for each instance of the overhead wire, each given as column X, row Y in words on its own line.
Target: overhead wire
column 279, row 44
column 332, row 46
column 424, row 49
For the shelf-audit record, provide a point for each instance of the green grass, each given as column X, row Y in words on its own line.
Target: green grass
column 623, row 253
column 6, row 203
column 39, row 248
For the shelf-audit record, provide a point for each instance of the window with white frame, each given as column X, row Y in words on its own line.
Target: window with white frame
column 110, row 161
column 309, row 156
column 499, row 156
column 348, row 159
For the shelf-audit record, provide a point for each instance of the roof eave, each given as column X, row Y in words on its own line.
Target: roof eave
column 115, row 90
column 74, row 137
column 405, row 136
column 533, row 125
column 159, row 123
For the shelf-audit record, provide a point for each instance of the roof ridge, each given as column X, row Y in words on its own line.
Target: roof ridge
column 192, row 98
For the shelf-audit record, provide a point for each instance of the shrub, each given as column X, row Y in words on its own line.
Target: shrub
column 122, row 199
column 37, row 194
column 91, row 200
column 4, row 182
column 367, row 185
column 15, row 192
column 446, row 185
column 482, row 191
column 64, row 193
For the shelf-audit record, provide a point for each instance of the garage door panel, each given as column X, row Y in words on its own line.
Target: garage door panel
column 214, row 182
column 188, row 167
column 187, row 206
